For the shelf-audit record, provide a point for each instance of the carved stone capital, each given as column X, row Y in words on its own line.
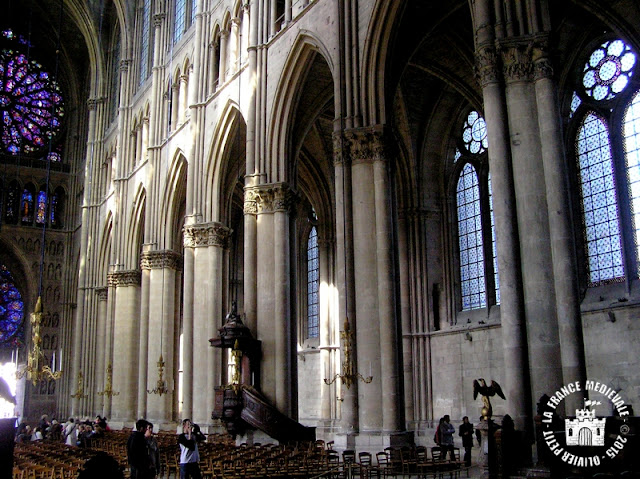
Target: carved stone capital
column 543, row 68
column 486, row 68
column 124, row 65
column 517, row 61
column 160, row 259
column 124, row 278
column 102, row 293
column 158, row 19
column 268, row 198
column 362, row 145
column 206, row 234
column 92, row 103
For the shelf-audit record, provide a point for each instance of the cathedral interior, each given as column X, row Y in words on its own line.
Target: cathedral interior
column 317, row 203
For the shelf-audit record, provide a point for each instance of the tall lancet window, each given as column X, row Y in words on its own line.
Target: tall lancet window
column 313, row 285
column 605, row 116
column 477, row 251
column 145, row 41
column 179, row 19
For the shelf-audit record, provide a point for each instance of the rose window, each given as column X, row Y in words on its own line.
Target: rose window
column 30, row 104
column 608, row 70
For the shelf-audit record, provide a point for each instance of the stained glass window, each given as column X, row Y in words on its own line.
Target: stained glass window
column 26, row 208
column 608, row 70
column 313, row 283
column 41, row 211
column 11, row 309
column 193, row 10
column 472, row 279
column 474, row 134
column 599, row 202
column 115, row 82
column 145, row 40
column 179, row 20
column 31, row 105
column 54, row 209
column 13, row 197
column 494, row 248
column 575, row 103
column 631, row 133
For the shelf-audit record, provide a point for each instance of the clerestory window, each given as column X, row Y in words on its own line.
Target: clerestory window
column 477, row 256
column 605, row 117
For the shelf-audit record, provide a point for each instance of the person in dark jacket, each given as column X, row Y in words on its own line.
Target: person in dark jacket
column 137, row 452
column 466, row 433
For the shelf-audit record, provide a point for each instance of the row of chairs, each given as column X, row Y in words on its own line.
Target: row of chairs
column 222, row 459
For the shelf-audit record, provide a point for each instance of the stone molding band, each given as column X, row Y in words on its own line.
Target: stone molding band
column 206, row 234
column 161, row 259
column 524, row 59
column 102, row 293
column 269, row 198
column 362, row 145
column 131, row 277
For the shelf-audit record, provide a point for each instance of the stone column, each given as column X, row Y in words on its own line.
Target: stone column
column 245, row 32
column 285, row 324
column 176, row 105
column 287, row 12
column 393, row 416
column 224, row 50
column 208, row 242
column 559, row 204
column 101, row 364
column 410, row 361
column 184, row 96
column 162, row 290
column 145, row 138
column 368, row 353
column 125, row 346
column 344, row 277
column 143, row 350
column 235, row 46
column 191, row 239
column 110, row 327
column 272, row 203
column 531, row 206
column 506, row 228
column 324, row 249
column 250, row 285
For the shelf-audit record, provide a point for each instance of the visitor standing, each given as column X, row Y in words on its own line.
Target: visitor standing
column 446, row 442
column 189, row 456
column 466, row 433
column 137, row 452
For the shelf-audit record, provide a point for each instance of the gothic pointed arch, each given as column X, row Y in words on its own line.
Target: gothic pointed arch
column 136, row 227
column 298, row 101
column 104, row 254
column 174, row 192
column 376, row 51
column 227, row 163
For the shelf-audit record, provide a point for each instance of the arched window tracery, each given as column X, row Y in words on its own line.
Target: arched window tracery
column 313, row 284
column 605, row 114
column 479, row 284
column 11, row 310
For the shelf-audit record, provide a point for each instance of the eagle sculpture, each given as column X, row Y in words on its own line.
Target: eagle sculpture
column 480, row 386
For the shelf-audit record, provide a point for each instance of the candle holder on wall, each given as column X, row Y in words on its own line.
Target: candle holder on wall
column 349, row 374
column 108, row 390
column 79, row 394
